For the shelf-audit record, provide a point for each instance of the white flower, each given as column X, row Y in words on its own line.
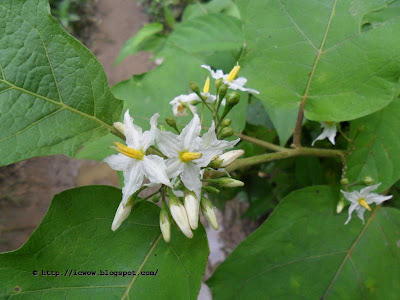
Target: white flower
column 120, row 216
column 182, row 102
column 187, row 152
column 360, row 200
column 229, row 79
column 192, row 206
column 133, row 162
column 329, row 131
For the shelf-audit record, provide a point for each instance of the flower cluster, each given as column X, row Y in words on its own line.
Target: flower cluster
column 177, row 163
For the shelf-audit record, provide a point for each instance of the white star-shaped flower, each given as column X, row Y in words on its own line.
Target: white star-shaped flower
column 230, row 79
column 182, row 102
column 329, row 131
column 187, row 152
column 360, row 200
column 133, row 161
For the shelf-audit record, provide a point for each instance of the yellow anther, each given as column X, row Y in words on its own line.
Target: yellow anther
column 364, row 203
column 181, row 108
column 125, row 150
column 186, row 156
column 206, row 87
column 234, row 73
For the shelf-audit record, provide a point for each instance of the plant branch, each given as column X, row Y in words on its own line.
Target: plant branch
column 263, row 158
column 261, row 143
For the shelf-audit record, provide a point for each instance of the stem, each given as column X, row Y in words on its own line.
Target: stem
column 153, row 194
column 261, row 143
column 299, row 124
column 263, row 158
column 115, row 132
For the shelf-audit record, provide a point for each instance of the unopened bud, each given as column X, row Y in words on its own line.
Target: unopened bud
column 232, row 98
column 121, row 215
column 344, row 181
column 195, row 102
column 178, row 212
column 120, row 127
column 340, row 205
column 210, row 189
column 230, row 156
column 226, row 132
column 165, row 224
column 226, row 182
column 194, row 87
column 226, row 123
column 192, row 206
column 368, row 180
column 209, row 212
column 218, row 82
column 171, row 122
column 222, row 91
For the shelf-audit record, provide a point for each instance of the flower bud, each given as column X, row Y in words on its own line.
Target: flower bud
column 226, row 182
column 232, row 98
column 340, row 205
column 209, row 212
column 121, row 215
column 195, row 102
column 225, row 133
column 120, row 127
column 178, row 212
column 218, row 82
column 222, row 91
column 165, row 224
column 210, row 189
column 194, row 87
column 226, row 123
column 344, row 181
column 171, row 122
column 228, row 157
column 192, row 206
column 368, row 180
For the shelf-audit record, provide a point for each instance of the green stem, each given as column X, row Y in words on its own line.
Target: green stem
column 263, row 158
column 261, row 143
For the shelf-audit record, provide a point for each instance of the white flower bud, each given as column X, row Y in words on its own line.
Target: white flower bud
column 209, row 213
column 120, row 216
column 178, row 212
column 165, row 225
column 192, row 206
column 228, row 157
column 340, row 206
column 226, row 182
column 120, row 127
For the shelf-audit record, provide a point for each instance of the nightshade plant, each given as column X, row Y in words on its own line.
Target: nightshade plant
column 325, row 72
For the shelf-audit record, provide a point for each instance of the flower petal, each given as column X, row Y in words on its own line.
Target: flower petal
column 191, row 178
column 119, row 162
column 133, row 179
column 351, row 209
column 169, row 143
column 155, row 169
column 360, row 213
column 377, row 199
column 174, row 167
column 190, row 132
column 365, row 191
column 132, row 132
column 216, row 75
column 351, row 196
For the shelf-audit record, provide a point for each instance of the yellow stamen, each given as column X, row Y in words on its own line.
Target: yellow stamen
column 181, row 108
column 206, row 87
column 234, row 73
column 186, row 156
column 125, row 150
column 364, row 203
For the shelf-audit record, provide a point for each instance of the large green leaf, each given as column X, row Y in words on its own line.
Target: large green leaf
column 377, row 147
column 76, row 236
column 304, row 251
column 54, row 95
column 316, row 50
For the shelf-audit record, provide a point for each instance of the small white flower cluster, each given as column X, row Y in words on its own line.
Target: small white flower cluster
column 182, row 103
column 182, row 161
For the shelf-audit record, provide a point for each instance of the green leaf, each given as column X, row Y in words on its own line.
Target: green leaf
column 54, row 95
column 316, row 50
column 213, row 7
column 304, row 251
column 76, row 235
column 135, row 43
column 376, row 147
